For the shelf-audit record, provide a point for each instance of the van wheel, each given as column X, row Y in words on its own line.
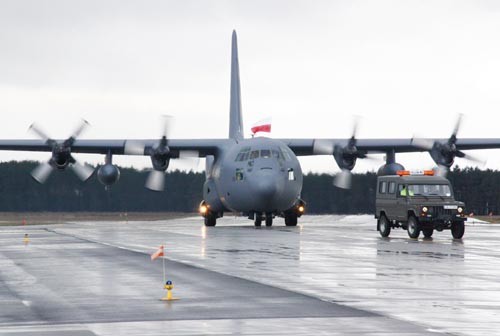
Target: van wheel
column 457, row 230
column 384, row 227
column 413, row 227
column 427, row 232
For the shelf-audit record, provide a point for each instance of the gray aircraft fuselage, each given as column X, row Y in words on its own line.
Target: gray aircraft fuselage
column 257, row 175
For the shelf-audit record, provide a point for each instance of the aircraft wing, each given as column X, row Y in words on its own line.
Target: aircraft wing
column 303, row 147
column 204, row 147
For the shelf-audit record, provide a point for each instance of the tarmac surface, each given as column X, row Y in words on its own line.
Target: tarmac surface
column 331, row 275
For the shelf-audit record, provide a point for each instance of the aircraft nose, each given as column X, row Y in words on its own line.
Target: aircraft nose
column 265, row 189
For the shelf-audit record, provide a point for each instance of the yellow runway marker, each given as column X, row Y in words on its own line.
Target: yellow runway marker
column 168, row 297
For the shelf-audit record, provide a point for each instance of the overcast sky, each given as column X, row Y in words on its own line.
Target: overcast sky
column 405, row 67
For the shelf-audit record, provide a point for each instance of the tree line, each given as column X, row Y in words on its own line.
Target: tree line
column 479, row 189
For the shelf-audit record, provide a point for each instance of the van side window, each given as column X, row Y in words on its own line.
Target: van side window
column 382, row 187
column 392, row 187
column 400, row 189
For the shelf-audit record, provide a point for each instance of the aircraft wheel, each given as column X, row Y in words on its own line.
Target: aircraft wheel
column 413, row 227
column 427, row 232
column 210, row 220
column 291, row 219
column 269, row 220
column 257, row 220
column 384, row 227
column 457, row 230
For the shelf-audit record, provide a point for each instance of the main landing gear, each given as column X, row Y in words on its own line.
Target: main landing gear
column 209, row 216
column 210, row 219
column 291, row 219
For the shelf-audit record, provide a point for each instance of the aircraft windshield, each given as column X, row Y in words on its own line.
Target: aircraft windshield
column 248, row 154
column 265, row 153
column 442, row 190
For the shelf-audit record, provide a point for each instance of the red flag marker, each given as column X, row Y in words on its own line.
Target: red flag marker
column 262, row 126
column 158, row 253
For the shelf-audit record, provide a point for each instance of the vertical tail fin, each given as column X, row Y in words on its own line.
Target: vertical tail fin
column 235, row 117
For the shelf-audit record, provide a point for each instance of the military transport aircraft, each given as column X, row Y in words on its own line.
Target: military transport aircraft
column 258, row 177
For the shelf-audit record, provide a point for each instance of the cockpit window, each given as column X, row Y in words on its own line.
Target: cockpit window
column 285, row 154
column 254, row 155
column 246, row 154
column 243, row 154
column 265, row 153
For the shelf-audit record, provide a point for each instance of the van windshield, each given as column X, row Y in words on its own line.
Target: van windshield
column 442, row 190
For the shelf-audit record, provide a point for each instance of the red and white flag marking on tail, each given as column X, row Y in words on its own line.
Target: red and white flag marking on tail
column 263, row 125
column 158, row 253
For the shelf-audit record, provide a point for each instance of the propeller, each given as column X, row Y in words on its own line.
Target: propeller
column 61, row 155
column 344, row 154
column 444, row 153
column 160, row 155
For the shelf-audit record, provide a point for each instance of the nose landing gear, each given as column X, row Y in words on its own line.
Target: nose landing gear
column 269, row 219
column 257, row 220
column 258, row 217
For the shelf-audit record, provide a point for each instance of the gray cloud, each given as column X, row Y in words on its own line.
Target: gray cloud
column 309, row 64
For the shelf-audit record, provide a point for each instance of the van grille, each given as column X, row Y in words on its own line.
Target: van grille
column 440, row 211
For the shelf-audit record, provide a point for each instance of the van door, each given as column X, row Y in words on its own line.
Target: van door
column 401, row 208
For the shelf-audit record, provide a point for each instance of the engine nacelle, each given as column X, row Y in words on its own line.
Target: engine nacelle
column 108, row 174
column 160, row 163
column 61, row 158
column 390, row 169
column 345, row 157
column 443, row 155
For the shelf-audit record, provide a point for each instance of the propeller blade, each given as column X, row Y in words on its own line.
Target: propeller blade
column 441, row 170
column 191, row 159
column 343, row 179
column 82, row 171
column 42, row 172
column 188, row 154
column 209, row 163
column 167, row 121
column 422, row 143
column 323, row 147
column 372, row 158
column 134, row 147
column 83, row 125
column 35, row 128
column 355, row 125
column 156, row 180
column 457, row 125
column 481, row 162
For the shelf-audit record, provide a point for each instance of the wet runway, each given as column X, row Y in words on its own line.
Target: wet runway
column 331, row 275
